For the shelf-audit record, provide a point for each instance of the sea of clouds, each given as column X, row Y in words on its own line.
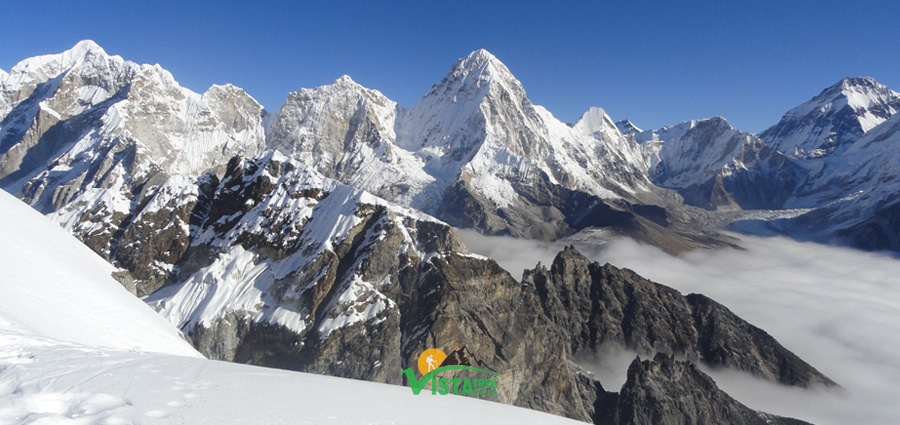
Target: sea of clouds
column 837, row 308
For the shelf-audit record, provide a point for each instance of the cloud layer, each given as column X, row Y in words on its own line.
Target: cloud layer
column 837, row 308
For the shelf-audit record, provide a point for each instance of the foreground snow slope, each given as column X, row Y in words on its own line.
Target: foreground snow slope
column 57, row 383
column 76, row 348
column 53, row 286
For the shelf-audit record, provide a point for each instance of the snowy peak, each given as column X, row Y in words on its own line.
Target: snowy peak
column 593, row 121
column 627, row 127
column 46, row 66
column 473, row 76
column 872, row 101
column 322, row 126
column 480, row 62
column 827, row 123
column 86, row 47
column 692, row 152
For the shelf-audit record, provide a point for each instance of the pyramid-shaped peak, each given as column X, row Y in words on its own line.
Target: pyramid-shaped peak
column 480, row 62
column 593, row 120
column 852, row 88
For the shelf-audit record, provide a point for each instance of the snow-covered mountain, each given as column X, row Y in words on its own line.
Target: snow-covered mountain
column 298, row 240
column 825, row 171
column 91, row 102
column 855, row 195
column 842, row 149
column 828, row 123
column 99, row 140
column 474, row 151
column 716, row 166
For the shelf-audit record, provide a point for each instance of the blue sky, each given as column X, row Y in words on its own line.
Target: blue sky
column 654, row 62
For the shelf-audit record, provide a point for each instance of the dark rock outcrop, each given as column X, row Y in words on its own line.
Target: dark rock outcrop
column 464, row 357
column 597, row 305
column 664, row 391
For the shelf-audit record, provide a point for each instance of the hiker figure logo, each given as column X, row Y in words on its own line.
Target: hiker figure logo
column 434, row 361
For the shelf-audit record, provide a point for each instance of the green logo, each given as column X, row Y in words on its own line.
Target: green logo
column 432, row 362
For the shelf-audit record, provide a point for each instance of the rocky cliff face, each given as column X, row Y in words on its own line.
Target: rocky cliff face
column 599, row 305
column 668, row 391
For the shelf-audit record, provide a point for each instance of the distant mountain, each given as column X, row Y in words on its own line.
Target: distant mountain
column 828, row 123
column 715, row 166
column 844, row 148
column 824, row 172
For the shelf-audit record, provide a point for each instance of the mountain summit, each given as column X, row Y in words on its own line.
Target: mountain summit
column 827, row 123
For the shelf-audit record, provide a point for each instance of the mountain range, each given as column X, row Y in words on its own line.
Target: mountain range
column 320, row 236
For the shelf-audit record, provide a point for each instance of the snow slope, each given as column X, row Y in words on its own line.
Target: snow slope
column 55, row 287
column 69, row 384
column 76, row 348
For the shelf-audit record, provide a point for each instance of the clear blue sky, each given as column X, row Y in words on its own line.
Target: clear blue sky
column 654, row 62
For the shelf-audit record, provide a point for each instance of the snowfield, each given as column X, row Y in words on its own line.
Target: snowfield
column 77, row 348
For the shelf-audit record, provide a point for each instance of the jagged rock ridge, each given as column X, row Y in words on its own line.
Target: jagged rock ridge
column 599, row 305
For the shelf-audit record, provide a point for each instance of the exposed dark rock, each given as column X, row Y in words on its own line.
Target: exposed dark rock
column 881, row 231
column 664, row 391
column 724, row 339
column 597, row 305
column 464, row 357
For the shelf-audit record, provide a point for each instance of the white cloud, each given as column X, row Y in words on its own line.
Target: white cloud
column 837, row 308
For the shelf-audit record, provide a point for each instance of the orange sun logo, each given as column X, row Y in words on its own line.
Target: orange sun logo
column 430, row 360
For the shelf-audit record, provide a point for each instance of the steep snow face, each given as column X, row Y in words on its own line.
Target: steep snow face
column 829, row 122
column 242, row 279
column 276, row 247
column 52, row 286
